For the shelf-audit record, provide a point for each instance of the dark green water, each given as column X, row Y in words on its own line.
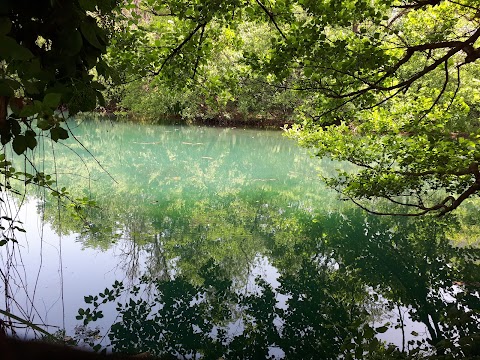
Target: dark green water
column 227, row 245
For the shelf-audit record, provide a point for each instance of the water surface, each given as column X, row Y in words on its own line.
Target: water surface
column 224, row 242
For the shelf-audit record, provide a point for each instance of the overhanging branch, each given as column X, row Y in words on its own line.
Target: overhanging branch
column 272, row 18
column 448, row 204
column 454, row 46
column 179, row 47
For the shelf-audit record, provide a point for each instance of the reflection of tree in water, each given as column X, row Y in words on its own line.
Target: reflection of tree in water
column 349, row 260
column 412, row 263
column 216, row 193
column 181, row 235
column 20, row 314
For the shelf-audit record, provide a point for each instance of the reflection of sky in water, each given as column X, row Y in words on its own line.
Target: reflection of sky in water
column 39, row 263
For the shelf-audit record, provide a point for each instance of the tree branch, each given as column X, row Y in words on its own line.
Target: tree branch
column 179, row 47
column 456, row 89
column 456, row 202
column 442, row 91
column 475, row 187
column 456, row 46
column 197, row 60
column 272, row 18
column 386, row 213
column 419, row 4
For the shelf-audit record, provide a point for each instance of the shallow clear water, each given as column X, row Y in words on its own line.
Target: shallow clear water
column 196, row 218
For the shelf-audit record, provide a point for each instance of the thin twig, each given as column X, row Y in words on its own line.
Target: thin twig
column 272, row 18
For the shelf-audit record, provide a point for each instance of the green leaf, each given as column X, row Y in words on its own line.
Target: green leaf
column 101, row 99
column 5, row 89
column 381, row 329
column 5, row 25
column 15, row 128
column 88, row 31
column 63, row 134
column 19, row 144
column 54, row 134
column 368, row 332
column 70, row 41
column 96, row 85
column 30, row 138
column 15, row 85
column 29, row 110
column 11, row 49
column 5, row 137
column 52, row 100
column 88, row 5
column 30, row 88
column 359, row 353
column 43, row 124
column 58, row 133
column 34, row 70
column 8, row 86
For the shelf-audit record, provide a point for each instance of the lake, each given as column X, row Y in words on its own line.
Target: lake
column 222, row 242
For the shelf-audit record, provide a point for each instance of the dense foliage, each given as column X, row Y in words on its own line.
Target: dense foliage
column 48, row 51
column 405, row 108
column 199, row 75
column 387, row 85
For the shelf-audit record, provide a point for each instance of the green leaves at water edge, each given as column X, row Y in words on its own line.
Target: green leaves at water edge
column 58, row 133
column 88, row 315
column 23, row 142
column 52, row 100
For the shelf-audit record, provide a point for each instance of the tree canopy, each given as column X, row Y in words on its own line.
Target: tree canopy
column 405, row 108
column 50, row 64
column 49, row 49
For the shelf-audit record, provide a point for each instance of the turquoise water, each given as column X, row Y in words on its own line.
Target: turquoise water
column 227, row 244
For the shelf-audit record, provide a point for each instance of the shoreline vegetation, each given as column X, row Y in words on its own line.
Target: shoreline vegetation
column 225, row 119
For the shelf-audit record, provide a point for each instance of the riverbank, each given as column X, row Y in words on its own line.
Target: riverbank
column 230, row 119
